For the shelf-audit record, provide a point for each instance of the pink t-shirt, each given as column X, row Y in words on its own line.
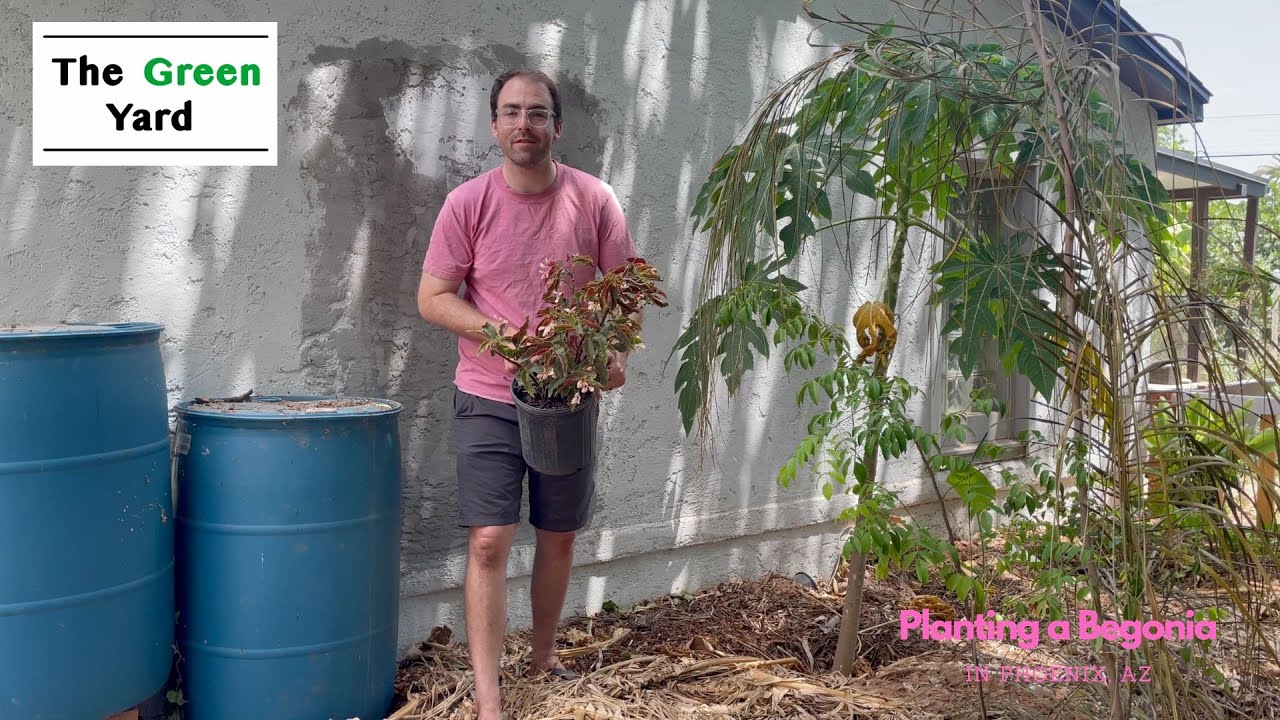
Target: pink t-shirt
column 495, row 239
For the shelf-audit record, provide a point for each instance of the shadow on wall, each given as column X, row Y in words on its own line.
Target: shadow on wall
column 185, row 247
column 408, row 126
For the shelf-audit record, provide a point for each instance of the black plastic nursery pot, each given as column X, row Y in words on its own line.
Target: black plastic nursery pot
column 558, row 441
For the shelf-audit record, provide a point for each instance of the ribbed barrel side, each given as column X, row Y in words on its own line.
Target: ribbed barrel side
column 86, row 526
column 288, row 557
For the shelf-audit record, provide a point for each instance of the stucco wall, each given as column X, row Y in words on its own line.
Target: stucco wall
column 301, row 277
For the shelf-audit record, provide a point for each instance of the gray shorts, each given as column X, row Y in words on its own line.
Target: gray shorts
column 491, row 470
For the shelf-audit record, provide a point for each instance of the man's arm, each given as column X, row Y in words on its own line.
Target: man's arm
column 440, row 304
column 618, row 361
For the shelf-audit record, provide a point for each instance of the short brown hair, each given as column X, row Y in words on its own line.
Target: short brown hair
column 524, row 72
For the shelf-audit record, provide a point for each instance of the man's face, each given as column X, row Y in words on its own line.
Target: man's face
column 524, row 144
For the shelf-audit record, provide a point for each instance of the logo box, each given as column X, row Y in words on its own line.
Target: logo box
column 141, row 93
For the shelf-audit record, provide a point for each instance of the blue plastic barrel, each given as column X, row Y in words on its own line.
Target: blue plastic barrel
column 288, row 557
column 86, row 527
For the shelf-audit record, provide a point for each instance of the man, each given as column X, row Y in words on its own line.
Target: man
column 493, row 232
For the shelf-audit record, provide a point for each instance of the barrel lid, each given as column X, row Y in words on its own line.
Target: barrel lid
column 291, row 406
column 77, row 329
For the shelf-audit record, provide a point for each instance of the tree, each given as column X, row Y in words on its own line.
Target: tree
column 903, row 118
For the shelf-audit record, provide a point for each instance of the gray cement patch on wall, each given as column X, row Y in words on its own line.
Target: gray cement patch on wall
column 378, row 183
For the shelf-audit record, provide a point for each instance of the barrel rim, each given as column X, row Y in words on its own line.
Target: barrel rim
column 189, row 408
column 75, row 329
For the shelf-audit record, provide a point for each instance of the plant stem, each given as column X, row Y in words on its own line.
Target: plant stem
column 1068, row 300
column 851, row 618
column 942, row 503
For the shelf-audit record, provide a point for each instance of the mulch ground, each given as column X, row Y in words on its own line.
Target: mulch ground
column 757, row 648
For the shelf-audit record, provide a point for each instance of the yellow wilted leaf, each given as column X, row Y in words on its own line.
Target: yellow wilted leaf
column 937, row 607
column 873, row 323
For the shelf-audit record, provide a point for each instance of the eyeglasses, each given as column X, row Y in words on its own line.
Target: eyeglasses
column 537, row 117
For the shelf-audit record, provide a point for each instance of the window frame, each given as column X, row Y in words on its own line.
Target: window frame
column 1014, row 389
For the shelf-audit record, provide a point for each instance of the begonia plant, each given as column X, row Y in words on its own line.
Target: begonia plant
column 564, row 358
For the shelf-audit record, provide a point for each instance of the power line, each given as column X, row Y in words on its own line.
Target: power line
column 1253, row 115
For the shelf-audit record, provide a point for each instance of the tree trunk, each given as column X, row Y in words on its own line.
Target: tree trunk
column 851, row 616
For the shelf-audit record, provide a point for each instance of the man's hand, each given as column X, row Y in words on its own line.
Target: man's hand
column 617, row 372
column 618, row 361
column 505, row 328
column 440, row 305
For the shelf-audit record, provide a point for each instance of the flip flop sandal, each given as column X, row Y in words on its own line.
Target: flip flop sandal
column 564, row 674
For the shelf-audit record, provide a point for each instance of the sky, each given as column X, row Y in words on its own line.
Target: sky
column 1227, row 44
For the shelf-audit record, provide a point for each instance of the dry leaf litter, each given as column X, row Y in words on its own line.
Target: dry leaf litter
column 752, row 649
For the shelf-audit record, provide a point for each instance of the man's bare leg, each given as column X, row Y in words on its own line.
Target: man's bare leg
column 485, row 598
column 552, row 562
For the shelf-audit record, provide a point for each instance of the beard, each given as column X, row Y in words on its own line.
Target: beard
column 530, row 155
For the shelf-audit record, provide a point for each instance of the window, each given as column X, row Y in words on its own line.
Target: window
column 986, row 209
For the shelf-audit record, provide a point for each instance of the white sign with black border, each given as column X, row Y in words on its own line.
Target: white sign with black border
column 142, row 93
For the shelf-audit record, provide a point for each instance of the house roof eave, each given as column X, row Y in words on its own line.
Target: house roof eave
column 1180, row 171
column 1146, row 66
